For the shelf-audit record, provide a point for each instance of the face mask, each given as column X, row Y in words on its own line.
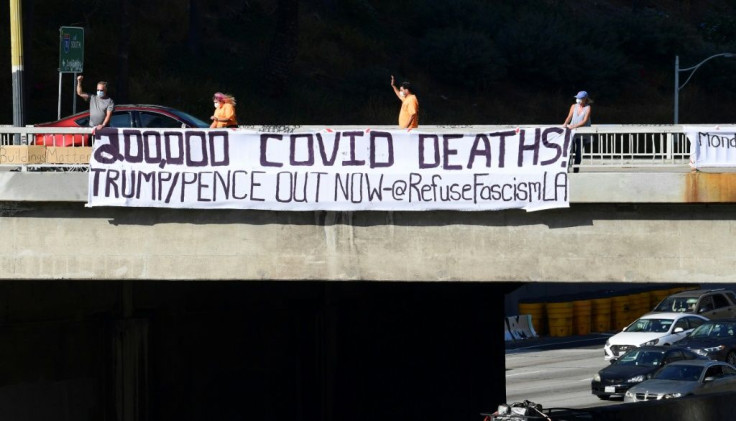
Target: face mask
column 578, row 100
column 101, row 93
column 403, row 94
column 216, row 104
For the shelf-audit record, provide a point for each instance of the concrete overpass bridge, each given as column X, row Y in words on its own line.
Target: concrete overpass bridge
column 138, row 313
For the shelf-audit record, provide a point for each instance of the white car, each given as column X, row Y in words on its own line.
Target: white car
column 651, row 329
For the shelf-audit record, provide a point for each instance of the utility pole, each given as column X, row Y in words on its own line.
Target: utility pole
column 16, row 53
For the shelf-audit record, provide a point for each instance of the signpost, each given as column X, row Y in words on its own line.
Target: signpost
column 71, row 58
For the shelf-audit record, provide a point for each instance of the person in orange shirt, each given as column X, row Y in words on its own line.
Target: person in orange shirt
column 224, row 115
column 409, row 114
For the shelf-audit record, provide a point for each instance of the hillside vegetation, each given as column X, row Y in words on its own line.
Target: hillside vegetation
column 329, row 61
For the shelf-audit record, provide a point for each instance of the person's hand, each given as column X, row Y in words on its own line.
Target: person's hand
column 79, row 78
column 212, row 117
column 392, row 81
column 99, row 127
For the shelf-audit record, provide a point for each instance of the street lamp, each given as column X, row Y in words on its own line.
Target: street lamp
column 692, row 71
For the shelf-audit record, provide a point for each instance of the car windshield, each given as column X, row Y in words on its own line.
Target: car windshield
column 650, row 325
column 677, row 304
column 689, row 373
column 641, row 358
column 197, row 122
column 714, row 330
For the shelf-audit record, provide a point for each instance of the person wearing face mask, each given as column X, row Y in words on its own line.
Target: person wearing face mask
column 579, row 116
column 409, row 114
column 224, row 115
column 101, row 106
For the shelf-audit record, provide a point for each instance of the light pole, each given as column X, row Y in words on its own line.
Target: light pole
column 692, row 71
column 16, row 52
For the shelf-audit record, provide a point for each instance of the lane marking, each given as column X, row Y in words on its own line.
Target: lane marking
column 524, row 373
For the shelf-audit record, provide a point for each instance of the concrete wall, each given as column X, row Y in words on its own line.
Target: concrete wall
column 620, row 227
column 587, row 242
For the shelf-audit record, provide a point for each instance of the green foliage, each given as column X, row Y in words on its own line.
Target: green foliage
column 719, row 29
column 472, row 61
column 460, row 57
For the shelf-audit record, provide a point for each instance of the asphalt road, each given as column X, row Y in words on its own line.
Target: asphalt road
column 555, row 372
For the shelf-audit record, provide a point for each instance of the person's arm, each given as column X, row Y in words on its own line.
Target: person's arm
column 108, row 115
column 79, row 88
column 569, row 116
column 396, row 90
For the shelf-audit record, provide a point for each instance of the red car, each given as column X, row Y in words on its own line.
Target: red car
column 127, row 115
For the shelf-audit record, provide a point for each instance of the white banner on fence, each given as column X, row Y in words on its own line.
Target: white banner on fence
column 347, row 170
column 713, row 147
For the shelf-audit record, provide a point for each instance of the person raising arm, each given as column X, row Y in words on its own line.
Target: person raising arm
column 101, row 106
column 409, row 113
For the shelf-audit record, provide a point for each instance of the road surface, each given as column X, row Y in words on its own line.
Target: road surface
column 556, row 376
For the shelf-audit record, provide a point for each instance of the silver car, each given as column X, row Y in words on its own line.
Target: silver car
column 683, row 378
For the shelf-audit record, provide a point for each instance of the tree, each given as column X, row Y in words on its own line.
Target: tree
column 284, row 47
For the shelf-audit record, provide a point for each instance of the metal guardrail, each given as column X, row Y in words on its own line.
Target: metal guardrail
column 10, row 135
column 612, row 146
column 628, row 146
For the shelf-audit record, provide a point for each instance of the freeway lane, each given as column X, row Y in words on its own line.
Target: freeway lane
column 556, row 375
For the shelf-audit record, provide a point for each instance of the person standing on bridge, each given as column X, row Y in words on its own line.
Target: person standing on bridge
column 224, row 115
column 409, row 114
column 101, row 106
column 579, row 116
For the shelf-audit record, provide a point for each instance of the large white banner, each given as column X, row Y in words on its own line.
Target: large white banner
column 326, row 169
column 712, row 147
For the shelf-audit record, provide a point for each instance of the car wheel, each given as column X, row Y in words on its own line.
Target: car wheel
column 604, row 397
column 731, row 358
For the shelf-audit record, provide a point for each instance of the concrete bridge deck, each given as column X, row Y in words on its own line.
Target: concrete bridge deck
column 424, row 340
column 621, row 226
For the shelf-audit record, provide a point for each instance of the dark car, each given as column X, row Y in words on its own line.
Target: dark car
column 711, row 303
column 715, row 339
column 685, row 378
column 138, row 116
column 634, row 367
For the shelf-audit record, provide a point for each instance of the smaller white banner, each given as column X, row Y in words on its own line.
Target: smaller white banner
column 712, row 147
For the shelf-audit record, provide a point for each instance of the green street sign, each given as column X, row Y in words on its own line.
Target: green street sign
column 71, row 49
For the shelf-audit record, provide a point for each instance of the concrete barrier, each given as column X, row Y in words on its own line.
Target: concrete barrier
column 518, row 328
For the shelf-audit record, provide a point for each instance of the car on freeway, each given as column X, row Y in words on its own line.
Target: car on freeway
column 715, row 339
column 651, row 329
column 634, row 367
column 684, row 378
column 124, row 116
column 711, row 303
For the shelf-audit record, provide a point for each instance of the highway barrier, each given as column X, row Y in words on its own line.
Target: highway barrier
column 538, row 314
column 519, row 328
column 559, row 318
column 621, row 309
column 594, row 312
column 581, row 317
column 601, row 315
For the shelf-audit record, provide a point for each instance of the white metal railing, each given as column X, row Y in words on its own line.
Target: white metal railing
column 627, row 146
column 613, row 147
